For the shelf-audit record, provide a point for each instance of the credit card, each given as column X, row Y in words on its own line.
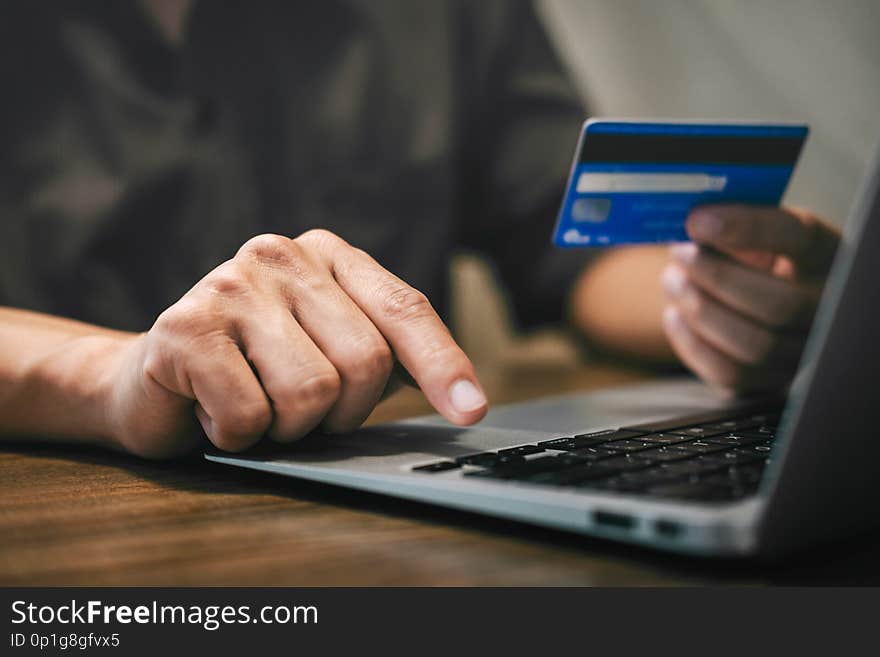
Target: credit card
column 635, row 182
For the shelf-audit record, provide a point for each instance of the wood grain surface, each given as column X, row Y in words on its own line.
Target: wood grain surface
column 77, row 516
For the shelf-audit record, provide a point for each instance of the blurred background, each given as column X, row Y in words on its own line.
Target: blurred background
column 810, row 61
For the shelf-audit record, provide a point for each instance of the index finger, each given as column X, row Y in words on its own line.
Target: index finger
column 792, row 232
column 416, row 334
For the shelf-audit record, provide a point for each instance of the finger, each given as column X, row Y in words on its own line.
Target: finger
column 794, row 232
column 709, row 363
column 231, row 405
column 416, row 334
column 706, row 362
column 299, row 380
column 760, row 295
column 763, row 260
column 348, row 340
column 728, row 331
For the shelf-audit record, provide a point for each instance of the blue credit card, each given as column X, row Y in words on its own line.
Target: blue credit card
column 635, row 182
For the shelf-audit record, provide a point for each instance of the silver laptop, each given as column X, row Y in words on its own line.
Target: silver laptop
column 666, row 464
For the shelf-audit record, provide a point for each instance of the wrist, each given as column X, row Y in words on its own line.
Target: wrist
column 82, row 376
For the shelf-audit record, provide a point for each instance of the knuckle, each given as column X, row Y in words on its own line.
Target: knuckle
column 444, row 356
column 444, row 362
column 228, row 280
column 289, row 261
column 243, row 422
column 402, row 303
column 369, row 363
column 169, row 321
column 315, row 392
column 320, row 237
column 186, row 317
column 280, row 432
column 268, row 248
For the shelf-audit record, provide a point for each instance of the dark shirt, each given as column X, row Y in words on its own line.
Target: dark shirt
column 130, row 168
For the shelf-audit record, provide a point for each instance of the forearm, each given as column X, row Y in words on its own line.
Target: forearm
column 54, row 377
column 618, row 303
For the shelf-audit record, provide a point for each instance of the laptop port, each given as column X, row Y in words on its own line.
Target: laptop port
column 616, row 520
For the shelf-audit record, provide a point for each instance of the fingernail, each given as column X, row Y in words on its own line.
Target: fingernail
column 674, row 280
column 684, row 253
column 705, row 225
column 465, row 396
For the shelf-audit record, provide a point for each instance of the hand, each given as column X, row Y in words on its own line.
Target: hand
column 743, row 295
column 288, row 335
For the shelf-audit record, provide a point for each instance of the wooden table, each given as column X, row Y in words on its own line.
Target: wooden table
column 73, row 516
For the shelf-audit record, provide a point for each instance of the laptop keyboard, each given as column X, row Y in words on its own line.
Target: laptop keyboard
column 711, row 457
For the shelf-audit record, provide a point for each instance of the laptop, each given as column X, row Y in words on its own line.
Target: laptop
column 667, row 464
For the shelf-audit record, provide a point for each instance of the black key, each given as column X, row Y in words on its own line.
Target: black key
column 709, row 418
column 543, row 464
column 524, row 468
column 572, row 475
column 734, row 440
column 595, row 453
column 488, row 459
column 627, row 445
column 439, row 466
column 663, row 455
column 572, row 459
column 762, row 448
column 522, row 450
column 651, row 477
column 623, row 464
column 665, row 438
column 677, row 423
column 564, row 443
column 698, row 447
column 690, row 467
column 602, row 437
column 762, row 432
column 741, row 456
column 734, row 458
column 697, row 432
column 732, row 426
